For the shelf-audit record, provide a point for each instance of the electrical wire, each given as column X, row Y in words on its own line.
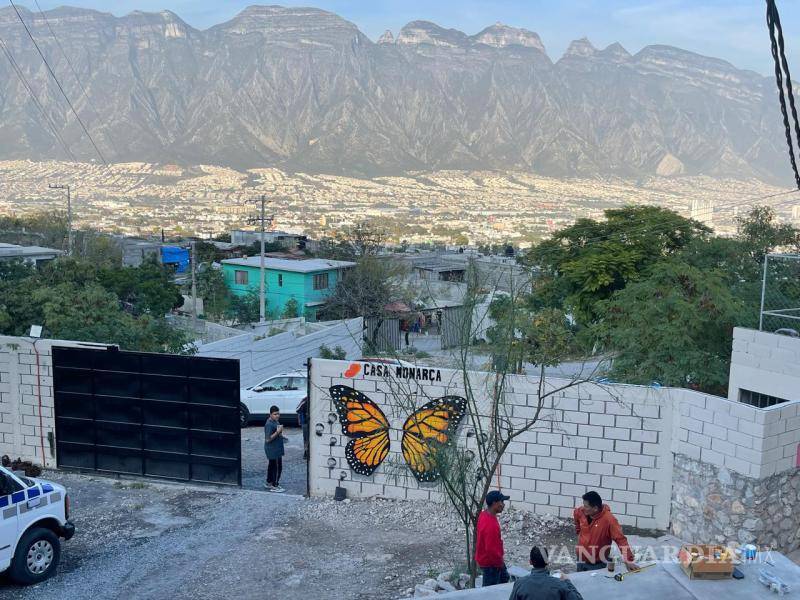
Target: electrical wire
column 58, row 83
column 49, row 122
column 85, row 93
column 58, row 43
column 781, row 68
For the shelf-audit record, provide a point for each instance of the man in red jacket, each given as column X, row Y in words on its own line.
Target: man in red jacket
column 489, row 545
column 597, row 528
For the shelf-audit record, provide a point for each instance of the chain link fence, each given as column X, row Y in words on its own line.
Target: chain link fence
column 780, row 294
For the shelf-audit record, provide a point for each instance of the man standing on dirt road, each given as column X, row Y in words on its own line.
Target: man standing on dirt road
column 273, row 447
column 489, row 545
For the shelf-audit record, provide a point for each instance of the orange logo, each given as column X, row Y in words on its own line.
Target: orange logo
column 353, row 370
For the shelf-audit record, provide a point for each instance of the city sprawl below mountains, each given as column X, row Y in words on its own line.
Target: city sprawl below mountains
column 305, row 90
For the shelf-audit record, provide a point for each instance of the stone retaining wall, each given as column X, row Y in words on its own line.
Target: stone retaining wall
column 711, row 503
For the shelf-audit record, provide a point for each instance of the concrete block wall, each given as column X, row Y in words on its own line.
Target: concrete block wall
column 586, row 438
column 591, row 438
column 620, row 440
column 766, row 363
column 26, row 430
column 22, row 385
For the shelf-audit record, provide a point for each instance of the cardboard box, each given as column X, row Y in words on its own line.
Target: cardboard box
column 706, row 561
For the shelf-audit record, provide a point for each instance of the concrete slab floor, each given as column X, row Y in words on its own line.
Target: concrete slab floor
column 664, row 581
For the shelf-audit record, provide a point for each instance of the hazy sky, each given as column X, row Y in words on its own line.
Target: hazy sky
column 731, row 29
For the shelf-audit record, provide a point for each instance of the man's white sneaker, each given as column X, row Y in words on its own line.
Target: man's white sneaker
column 278, row 489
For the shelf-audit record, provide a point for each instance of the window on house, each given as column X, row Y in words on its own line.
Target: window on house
column 759, row 400
column 240, row 277
column 321, row 281
column 280, row 280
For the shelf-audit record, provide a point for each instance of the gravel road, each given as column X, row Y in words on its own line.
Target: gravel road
column 254, row 462
column 138, row 540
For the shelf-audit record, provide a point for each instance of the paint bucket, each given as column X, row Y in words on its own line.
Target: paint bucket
column 750, row 552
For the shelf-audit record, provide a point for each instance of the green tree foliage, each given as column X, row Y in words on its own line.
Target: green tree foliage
column 48, row 229
column 522, row 335
column 244, row 309
column 587, row 262
column 291, row 310
column 761, row 233
column 365, row 290
column 211, row 288
column 674, row 327
column 337, row 353
column 78, row 300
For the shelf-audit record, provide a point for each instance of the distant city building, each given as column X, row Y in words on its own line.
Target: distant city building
column 136, row 251
column 310, row 282
column 703, row 210
column 32, row 255
column 247, row 237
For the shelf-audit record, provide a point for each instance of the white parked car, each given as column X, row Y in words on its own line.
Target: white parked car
column 35, row 515
column 284, row 391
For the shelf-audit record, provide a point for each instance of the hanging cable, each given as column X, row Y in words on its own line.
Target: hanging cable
column 58, row 83
column 49, row 124
column 781, row 69
column 63, row 53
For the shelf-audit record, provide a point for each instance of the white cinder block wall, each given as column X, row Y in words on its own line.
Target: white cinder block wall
column 620, row 441
column 765, row 363
column 24, row 388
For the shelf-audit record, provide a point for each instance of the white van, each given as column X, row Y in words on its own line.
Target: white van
column 34, row 514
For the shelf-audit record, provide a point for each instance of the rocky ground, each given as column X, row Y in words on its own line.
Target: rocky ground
column 140, row 539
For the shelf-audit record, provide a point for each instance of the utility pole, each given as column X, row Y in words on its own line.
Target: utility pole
column 194, row 285
column 262, row 302
column 54, row 186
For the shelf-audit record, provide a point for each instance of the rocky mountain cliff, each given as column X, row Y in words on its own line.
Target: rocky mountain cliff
column 304, row 89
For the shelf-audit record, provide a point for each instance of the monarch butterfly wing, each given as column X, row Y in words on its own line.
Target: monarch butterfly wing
column 365, row 454
column 433, row 424
column 366, row 426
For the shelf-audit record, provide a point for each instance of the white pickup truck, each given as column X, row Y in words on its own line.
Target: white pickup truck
column 34, row 514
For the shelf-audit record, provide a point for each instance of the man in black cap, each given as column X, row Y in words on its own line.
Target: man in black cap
column 489, row 545
column 540, row 585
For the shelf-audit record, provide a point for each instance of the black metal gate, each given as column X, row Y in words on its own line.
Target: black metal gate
column 157, row 415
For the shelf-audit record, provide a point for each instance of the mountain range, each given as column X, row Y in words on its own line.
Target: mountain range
column 304, row 89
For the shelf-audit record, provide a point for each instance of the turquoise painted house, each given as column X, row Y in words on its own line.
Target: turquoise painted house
column 309, row 281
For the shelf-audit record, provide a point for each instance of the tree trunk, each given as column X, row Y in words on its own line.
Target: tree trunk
column 473, row 566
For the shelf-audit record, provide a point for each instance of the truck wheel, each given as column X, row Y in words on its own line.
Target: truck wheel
column 36, row 557
column 244, row 416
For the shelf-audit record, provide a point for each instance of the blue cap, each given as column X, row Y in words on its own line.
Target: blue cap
column 495, row 496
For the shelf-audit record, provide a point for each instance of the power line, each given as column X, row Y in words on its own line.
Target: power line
column 58, row 43
column 781, row 67
column 49, row 122
column 58, row 83
column 85, row 93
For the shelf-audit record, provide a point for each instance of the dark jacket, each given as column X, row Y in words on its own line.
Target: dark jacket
column 273, row 449
column 540, row 585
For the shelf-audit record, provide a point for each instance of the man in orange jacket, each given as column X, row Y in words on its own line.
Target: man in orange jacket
column 489, row 544
column 597, row 528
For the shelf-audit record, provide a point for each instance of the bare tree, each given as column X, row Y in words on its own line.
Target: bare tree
column 522, row 340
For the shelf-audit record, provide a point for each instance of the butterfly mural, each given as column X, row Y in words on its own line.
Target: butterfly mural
column 368, row 428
